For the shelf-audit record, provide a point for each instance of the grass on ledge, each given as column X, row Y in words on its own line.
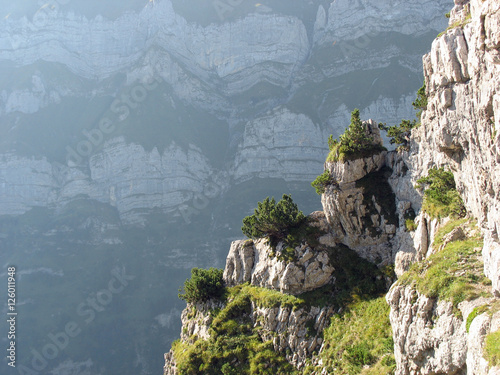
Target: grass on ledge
column 455, row 273
column 492, row 348
column 234, row 346
column 359, row 341
column 456, row 24
column 339, row 155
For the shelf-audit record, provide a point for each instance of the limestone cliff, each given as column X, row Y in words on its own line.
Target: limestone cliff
column 445, row 302
column 461, row 125
column 459, row 131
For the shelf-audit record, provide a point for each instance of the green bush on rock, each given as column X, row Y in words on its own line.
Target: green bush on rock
column 355, row 143
column 400, row 134
column 273, row 220
column 321, row 182
column 203, row 285
column 441, row 198
column 420, row 103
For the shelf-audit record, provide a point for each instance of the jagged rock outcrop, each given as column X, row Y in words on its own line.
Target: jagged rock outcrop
column 458, row 130
column 294, row 331
column 253, row 263
column 460, row 127
column 260, row 265
column 360, row 206
column 428, row 337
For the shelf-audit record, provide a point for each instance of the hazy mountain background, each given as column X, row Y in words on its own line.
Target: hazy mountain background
column 136, row 135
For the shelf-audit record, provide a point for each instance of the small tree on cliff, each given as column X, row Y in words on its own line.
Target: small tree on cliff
column 401, row 134
column 354, row 143
column 441, row 197
column 273, row 220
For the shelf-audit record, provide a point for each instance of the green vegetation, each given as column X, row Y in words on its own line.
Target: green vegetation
column 236, row 347
column 441, row 197
column 492, row 348
column 400, row 134
column 455, row 273
column 237, row 350
column 203, row 285
column 448, row 228
column 355, row 143
column 273, row 220
column 267, row 298
column 321, row 182
column 420, row 103
column 359, row 341
column 477, row 311
column 460, row 23
column 410, row 225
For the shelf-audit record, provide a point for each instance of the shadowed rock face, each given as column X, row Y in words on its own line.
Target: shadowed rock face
column 360, row 205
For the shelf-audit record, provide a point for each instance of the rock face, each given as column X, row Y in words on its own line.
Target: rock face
column 360, row 216
column 291, row 330
column 258, row 264
column 253, row 263
column 345, row 17
column 272, row 142
column 458, row 130
column 462, row 121
column 428, row 337
column 124, row 176
column 431, row 338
